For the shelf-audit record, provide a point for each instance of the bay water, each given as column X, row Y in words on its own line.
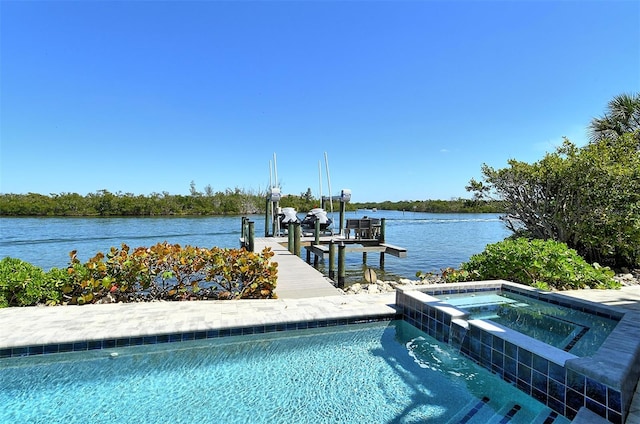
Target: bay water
column 433, row 241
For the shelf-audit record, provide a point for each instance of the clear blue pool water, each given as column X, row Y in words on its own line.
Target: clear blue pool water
column 574, row 331
column 386, row 372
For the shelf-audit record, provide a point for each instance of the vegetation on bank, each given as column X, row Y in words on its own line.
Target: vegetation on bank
column 544, row 264
column 161, row 272
column 438, row 206
column 231, row 202
column 571, row 212
column 586, row 197
column 104, row 203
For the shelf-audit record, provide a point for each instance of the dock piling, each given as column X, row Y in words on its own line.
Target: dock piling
column 342, row 212
column 332, row 260
column 266, row 218
column 251, row 244
column 341, row 265
column 290, row 235
column 316, row 241
column 296, row 239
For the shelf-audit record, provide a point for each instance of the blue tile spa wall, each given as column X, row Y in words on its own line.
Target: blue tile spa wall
column 541, row 371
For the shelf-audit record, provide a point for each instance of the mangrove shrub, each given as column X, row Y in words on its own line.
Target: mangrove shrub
column 545, row 264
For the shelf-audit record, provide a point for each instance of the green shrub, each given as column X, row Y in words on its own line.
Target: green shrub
column 56, row 279
column 163, row 271
column 170, row 272
column 539, row 263
column 24, row 284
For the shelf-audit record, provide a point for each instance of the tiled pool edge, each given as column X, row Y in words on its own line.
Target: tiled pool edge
column 603, row 383
column 97, row 344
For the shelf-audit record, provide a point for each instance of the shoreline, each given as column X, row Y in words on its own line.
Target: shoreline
column 628, row 279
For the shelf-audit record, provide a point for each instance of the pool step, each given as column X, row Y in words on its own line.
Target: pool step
column 486, row 316
column 550, row 417
column 479, row 412
column 504, row 414
column 468, row 414
column 510, row 414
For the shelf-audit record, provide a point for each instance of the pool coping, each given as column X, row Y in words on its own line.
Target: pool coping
column 45, row 330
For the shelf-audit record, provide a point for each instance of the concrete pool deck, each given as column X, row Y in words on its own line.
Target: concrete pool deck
column 40, row 326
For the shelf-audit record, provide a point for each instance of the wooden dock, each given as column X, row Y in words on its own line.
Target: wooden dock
column 296, row 279
column 322, row 250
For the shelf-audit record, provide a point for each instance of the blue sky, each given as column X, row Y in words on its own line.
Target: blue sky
column 407, row 98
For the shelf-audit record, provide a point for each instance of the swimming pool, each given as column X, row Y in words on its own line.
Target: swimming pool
column 378, row 372
column 571, row 330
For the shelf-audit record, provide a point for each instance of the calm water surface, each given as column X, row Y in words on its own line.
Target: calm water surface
column 433, row 241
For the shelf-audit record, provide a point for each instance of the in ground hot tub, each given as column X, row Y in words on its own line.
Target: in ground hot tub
column 564, row 352
column 572, row 330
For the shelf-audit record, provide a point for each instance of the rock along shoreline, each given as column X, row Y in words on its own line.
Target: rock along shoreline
column 631, row 278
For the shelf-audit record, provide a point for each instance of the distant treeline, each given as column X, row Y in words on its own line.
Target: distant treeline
column 438, row 206
column 229, row 202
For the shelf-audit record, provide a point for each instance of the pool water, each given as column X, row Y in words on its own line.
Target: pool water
column 377, row 373
column 571, row 330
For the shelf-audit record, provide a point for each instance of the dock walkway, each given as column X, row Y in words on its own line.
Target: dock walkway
column 296, row 279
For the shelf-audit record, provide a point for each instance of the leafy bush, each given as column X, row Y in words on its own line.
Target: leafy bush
column 23, row 284
column 171, row 272
column 539, row 263
column 587, row 197
column 164, row 271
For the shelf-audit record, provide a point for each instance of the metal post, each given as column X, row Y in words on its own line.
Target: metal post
column 341, row 265
column 364, row 257
column 251, row 236
column 332, row 260
column 381, row 260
